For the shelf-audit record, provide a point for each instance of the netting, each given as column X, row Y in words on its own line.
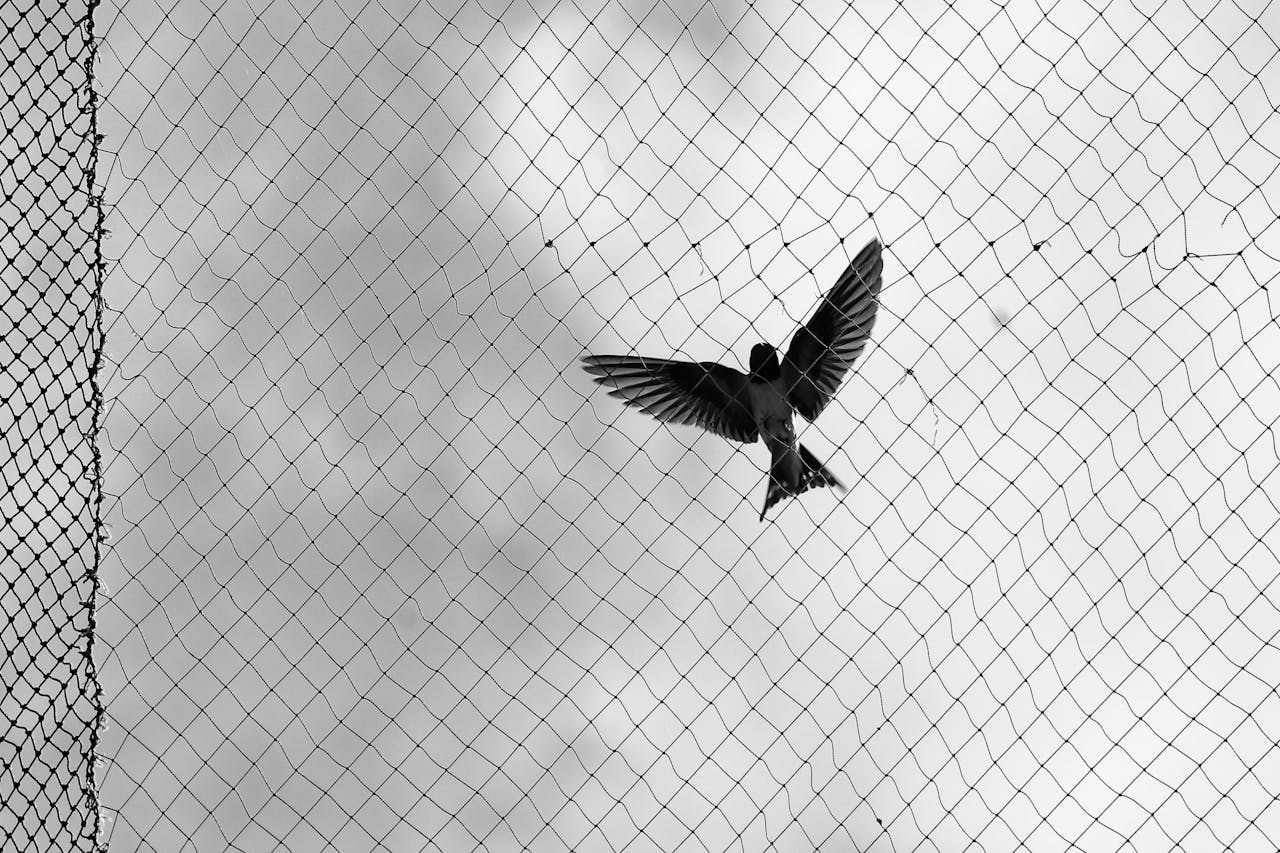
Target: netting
column 50, row 406
column 390, row 573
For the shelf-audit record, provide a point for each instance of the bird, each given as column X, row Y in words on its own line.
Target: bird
column 760, row 404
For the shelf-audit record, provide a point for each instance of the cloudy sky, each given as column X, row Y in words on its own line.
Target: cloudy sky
column 389, row 573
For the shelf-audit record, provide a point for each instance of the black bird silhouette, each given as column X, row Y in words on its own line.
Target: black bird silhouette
column 760, row 405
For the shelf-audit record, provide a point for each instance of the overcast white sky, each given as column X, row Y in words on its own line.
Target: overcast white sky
column 390, row 573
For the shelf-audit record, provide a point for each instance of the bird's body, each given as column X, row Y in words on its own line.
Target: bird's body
column 761, row 403
column 793, row 469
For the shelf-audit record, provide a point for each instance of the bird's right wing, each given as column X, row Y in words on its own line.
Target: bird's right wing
column 703, row 394
column 824, row 349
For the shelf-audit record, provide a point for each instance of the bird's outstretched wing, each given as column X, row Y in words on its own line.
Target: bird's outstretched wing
column 824, row 349
column 703, row 394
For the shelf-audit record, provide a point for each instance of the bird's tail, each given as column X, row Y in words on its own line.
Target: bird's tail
column 817, row 474
column 789, row 476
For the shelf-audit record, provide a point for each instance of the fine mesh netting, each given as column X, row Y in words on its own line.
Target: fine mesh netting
column 51, row 522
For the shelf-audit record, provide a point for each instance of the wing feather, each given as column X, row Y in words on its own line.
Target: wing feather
column 824, row 348
column 703, row 394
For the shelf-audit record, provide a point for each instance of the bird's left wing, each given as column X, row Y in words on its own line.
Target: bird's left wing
column 824, row 349
column 703, row 394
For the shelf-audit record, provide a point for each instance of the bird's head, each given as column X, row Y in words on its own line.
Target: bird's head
column 764, row 362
